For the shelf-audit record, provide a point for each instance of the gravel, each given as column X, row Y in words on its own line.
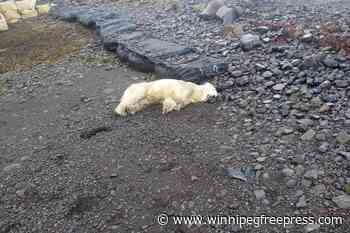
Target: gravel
column 282, row 117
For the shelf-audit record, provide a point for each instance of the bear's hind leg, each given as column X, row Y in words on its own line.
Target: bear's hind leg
column 141, row 104
column 168, row 105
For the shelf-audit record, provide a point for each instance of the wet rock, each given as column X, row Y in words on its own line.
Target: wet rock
column 250, row 41
column 342, row 201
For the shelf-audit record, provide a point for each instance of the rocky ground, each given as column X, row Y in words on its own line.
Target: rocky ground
column 277, row 141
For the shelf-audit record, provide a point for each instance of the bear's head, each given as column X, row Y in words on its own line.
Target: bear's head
column 209, row 91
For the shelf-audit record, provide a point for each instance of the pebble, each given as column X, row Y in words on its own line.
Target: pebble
column 343, row 138
column 324, row 147
column 267, row 74
column 249, row 41
column 301, row 202
column 311, row 227
column 288, row 172
column 278, row 87
column 312, row 174
column 259, row 194
column 342, row 201
column 309, row 135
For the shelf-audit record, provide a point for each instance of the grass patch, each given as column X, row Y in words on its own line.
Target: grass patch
column 39, row 40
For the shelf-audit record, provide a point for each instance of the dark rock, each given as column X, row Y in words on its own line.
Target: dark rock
column 330, row 62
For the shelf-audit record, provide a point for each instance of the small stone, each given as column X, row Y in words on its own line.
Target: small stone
column 259, row 194
column 343, row 138
column 307, row 38
column 306, row 183
column 345, row 154
column 236, row 73
column 236, row 173
column 278, row 87
column 319, row 189
column 258, row 167
column 194, row 178
column 309, row 135
column 288, row 172
column 311, row 227
column 324, row 147
column 291, row 183
column 267, row 74
column 313, row 173
column 12, row 167
column 242, row 81
column 301, row 202
column 262, row 29
column 249, row 41
column 341, row 83
column 330, row 62
column 108, row 91
column 325, row 108
column 342, row 201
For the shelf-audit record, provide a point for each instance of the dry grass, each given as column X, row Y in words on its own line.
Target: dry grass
column 39, row 40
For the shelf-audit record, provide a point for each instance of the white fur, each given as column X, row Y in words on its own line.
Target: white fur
column 171, row 93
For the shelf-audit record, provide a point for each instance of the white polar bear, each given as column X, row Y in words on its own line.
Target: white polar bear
column 171, row 93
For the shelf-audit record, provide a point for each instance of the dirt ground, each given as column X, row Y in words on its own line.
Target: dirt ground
column 56, row 176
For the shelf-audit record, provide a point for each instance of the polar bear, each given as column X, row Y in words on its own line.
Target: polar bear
column 171, row 93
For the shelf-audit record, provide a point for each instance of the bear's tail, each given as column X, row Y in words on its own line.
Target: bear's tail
column 120, row 110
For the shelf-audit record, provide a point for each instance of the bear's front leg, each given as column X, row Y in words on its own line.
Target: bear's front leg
column 168, row 105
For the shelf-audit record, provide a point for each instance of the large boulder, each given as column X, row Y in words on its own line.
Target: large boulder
column 27, row 8
column 212, row 8
column 227, row 15
column 43, row 8
column 10, row 11
column 3, row 23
